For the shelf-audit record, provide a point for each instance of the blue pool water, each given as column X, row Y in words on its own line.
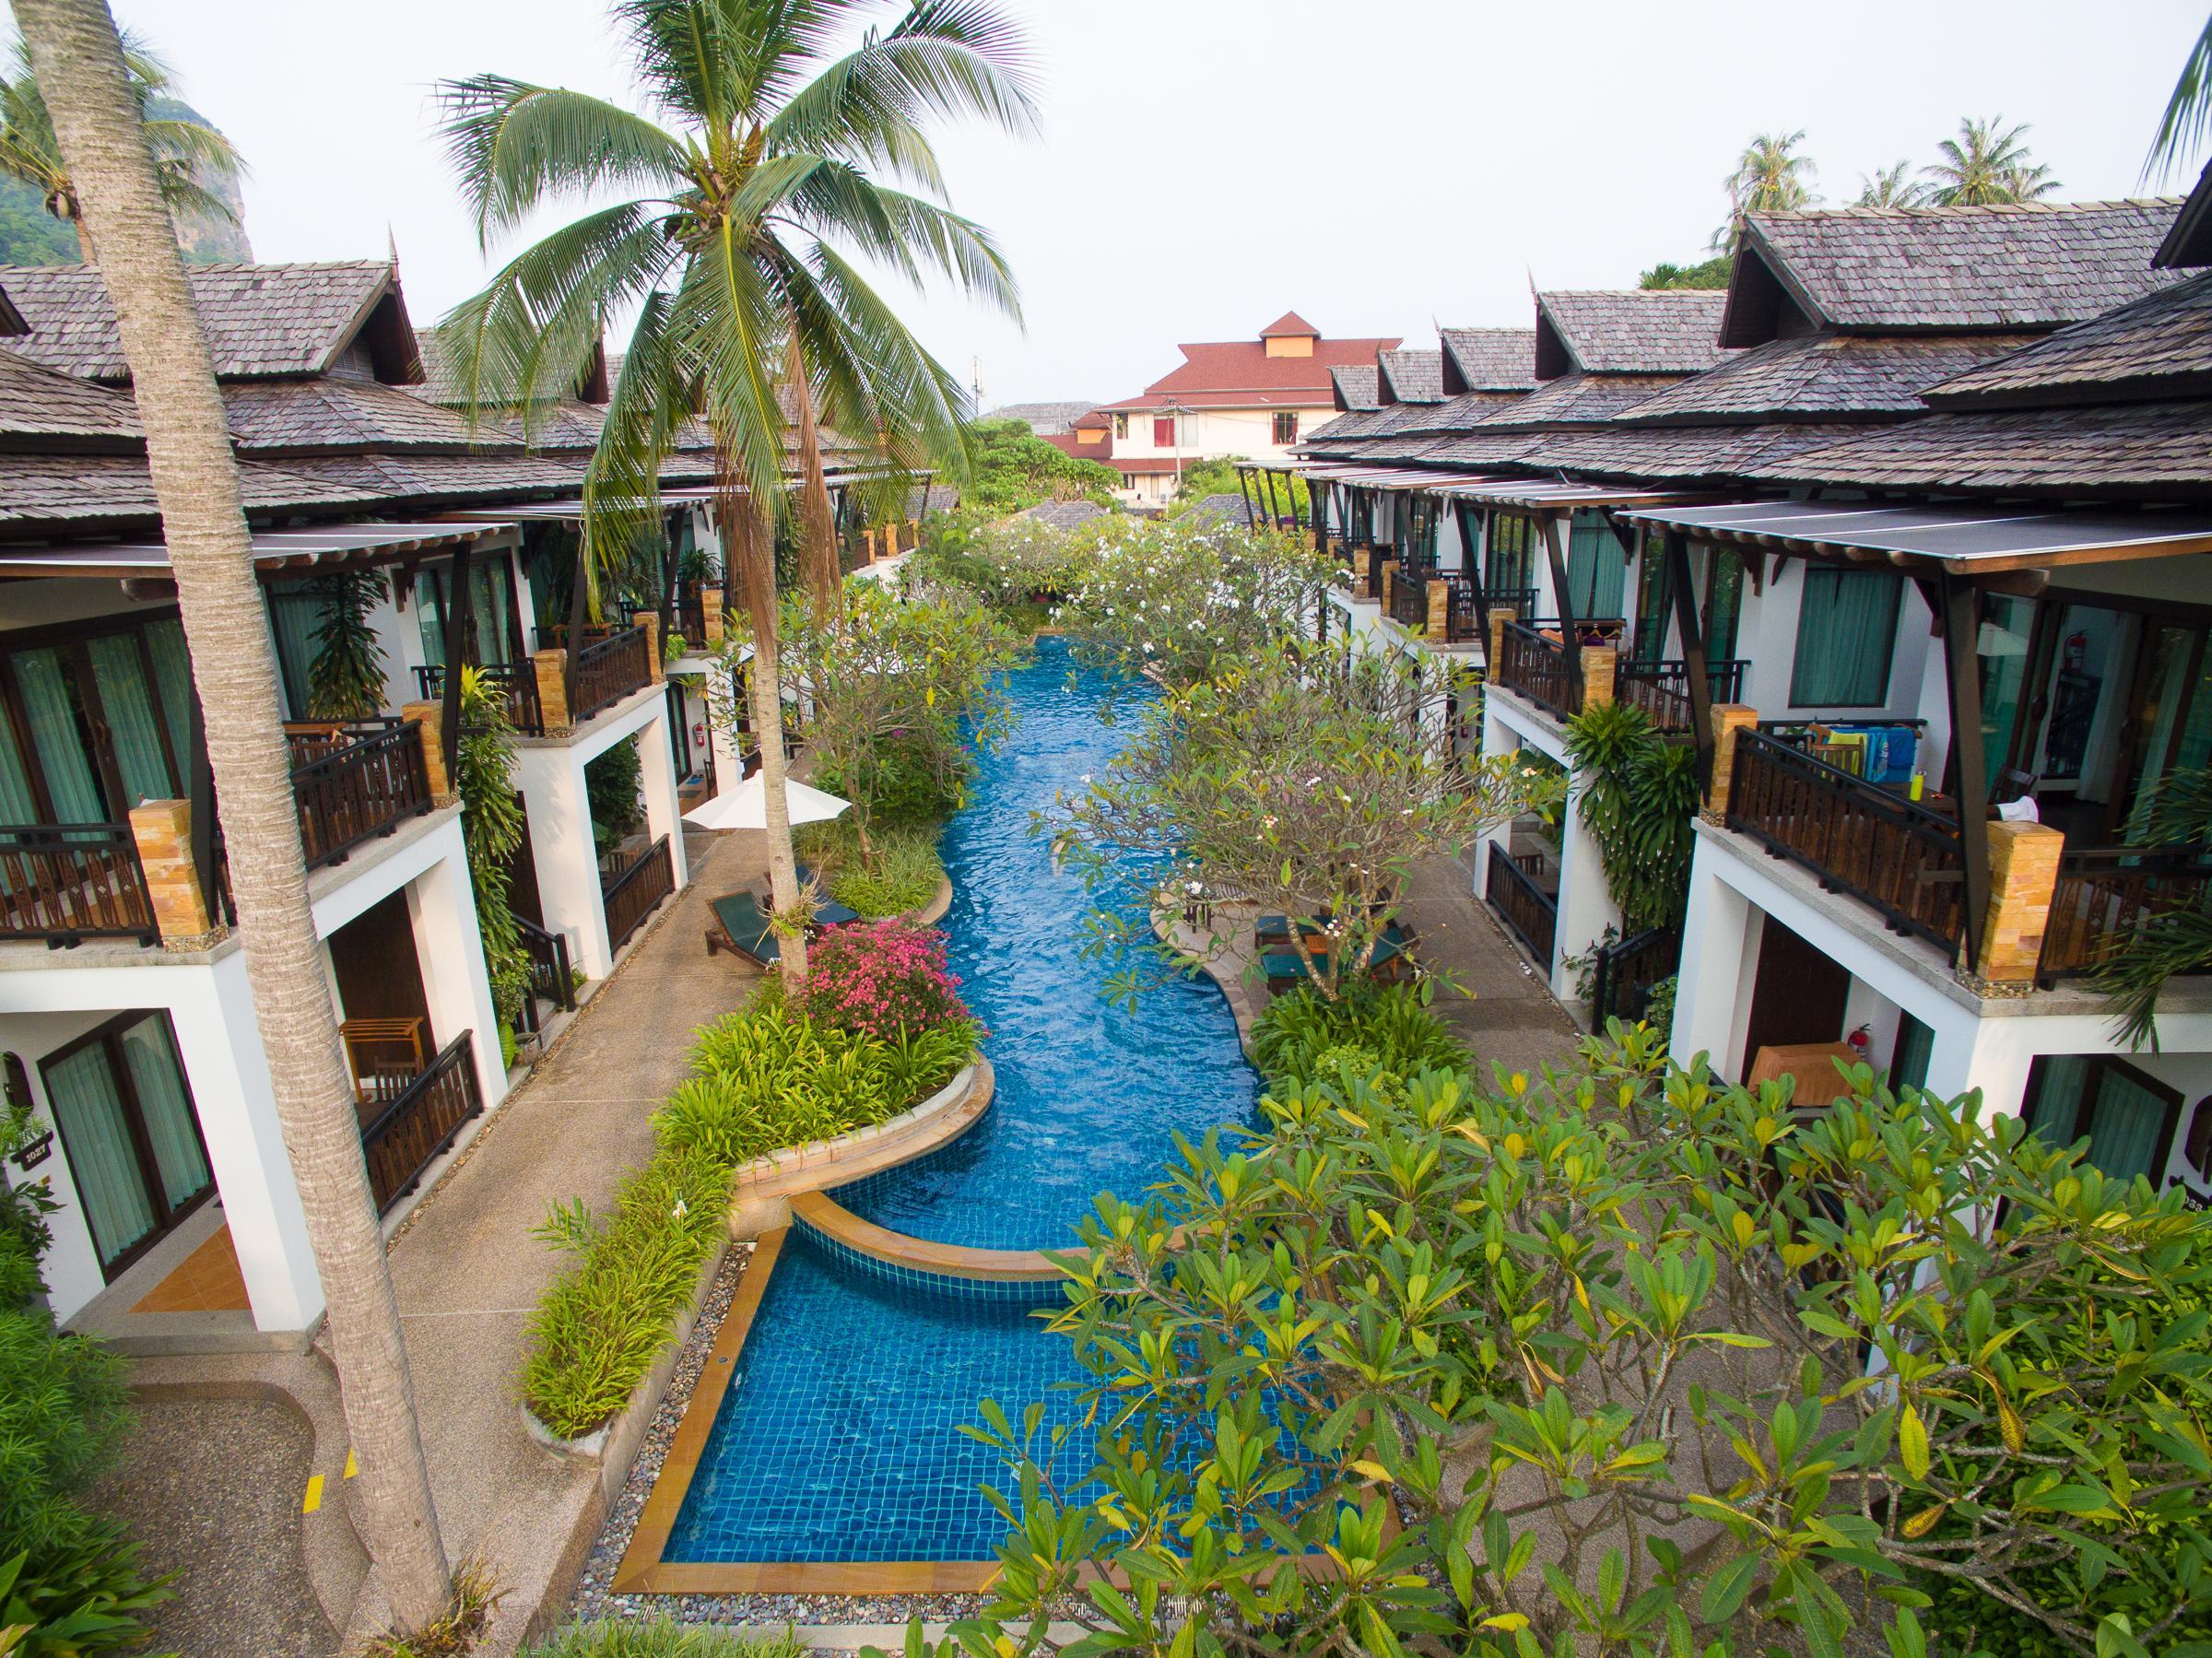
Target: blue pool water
column 837, row 1439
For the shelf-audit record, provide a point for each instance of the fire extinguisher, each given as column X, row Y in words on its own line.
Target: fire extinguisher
column 2078, row 652
column 699, row 731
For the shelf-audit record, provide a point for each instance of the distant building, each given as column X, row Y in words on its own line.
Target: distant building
column 1045, row 419
column 1254, row 398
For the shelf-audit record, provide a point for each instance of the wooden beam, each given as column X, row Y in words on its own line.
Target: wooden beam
column 1695, row 668
column 1962, row 672
column 576, row 615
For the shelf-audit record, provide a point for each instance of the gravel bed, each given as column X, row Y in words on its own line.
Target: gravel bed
column 593, row 1600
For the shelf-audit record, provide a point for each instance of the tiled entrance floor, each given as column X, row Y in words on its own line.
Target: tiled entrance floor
column 207, row 1280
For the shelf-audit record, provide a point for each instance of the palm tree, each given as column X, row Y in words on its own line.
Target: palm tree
column 1769, row 177
column 1891, row 187
column 117, row 177
column 1987, row 165
column 764, row 161
column 2188, row 119
column 185, row 153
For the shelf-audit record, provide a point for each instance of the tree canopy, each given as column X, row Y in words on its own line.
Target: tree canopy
column 1010, row 468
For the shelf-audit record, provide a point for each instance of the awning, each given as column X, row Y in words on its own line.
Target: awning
column 274, row 551
column 1963, row 539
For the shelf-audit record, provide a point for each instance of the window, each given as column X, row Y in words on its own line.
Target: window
column 1597, row 568
column 104, row 720
column 128, row 1129
column 2127, row 1117
column 1915, row 1047
column 1654, row 602
column 1846, row 634
column 1724, row 605
column 1286, row 428
column 1120, row 426
column 1163, row 432
column 1506, row 576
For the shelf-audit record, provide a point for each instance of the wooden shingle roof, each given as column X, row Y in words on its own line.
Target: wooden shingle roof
column 1357, row 387
column 41, row 408
column 2029, row 265
column 263, row 321
column 1822, row 377
column 1411, row 375
column 1460, row 414
column 1488, row 359
column 96, row 492
column 2158, row 347
column 1578, row 398
column 330, row 413
column 1635, row 331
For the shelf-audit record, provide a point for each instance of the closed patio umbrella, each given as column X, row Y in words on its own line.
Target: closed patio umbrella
column 746, row 807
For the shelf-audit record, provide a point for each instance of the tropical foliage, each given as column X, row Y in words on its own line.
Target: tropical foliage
column 1708, row 272
column 1305, row 780
column 885, row 978
column 1219, row 477
column 1011, row 468
column 191, row 158
column 663, row 1637
column 763, row 1078
column 1014, row 562
column 1617, row 1361
column 2174, row 813
column 1386, row 1026
column 492, row 827
column 1638, row 794
column 900, row 873
column 2187, row 120
column 1987, row 164
column 345, row 680
column 1892, row 186
column 1770, row 176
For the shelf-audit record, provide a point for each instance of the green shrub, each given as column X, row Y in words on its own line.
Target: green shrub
column 662, row 1637
column 900, row 874
column 1391, row 1022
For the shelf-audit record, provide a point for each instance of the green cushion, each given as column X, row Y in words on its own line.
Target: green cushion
column 740, row 916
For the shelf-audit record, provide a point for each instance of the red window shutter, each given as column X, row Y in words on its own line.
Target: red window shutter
column 1163, row 432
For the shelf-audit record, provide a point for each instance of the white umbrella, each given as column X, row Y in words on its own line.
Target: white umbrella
column 746, row 807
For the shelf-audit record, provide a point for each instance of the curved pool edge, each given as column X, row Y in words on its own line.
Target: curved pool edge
column 847, row 1231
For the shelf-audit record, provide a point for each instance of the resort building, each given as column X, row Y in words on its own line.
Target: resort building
column 1255, row 398
column 125, row 1018
column 1916, row 474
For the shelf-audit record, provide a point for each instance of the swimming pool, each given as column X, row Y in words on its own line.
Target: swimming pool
column 836, row 1439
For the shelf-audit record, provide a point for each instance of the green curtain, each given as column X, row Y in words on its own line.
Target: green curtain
column 1846, row 634
column 1508, row 554
column 1724, row 605
column 103, row 1165
column 1655, row 603
column 19, row 804
column 430, row 612
column 295, row 613
column 149, row 1048
column 1915, row 1047
column 64, row 753
column 2001, row 651
column 1597, row 568
column 487, row 588
column 133, row 721
column 2126, row 1128
column 172, row 680
column 2195, row 751
column 2055, row 1096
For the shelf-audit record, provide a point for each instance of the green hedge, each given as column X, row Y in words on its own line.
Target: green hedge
column 762, row 1078
column 899, row 877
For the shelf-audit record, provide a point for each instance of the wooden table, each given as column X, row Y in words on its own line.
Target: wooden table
column 1811, row 1064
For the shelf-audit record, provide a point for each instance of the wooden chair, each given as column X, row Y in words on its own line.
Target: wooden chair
column 384, row 1054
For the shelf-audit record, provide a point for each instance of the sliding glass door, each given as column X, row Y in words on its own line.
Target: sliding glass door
column 124, row 1110
column 96, row 722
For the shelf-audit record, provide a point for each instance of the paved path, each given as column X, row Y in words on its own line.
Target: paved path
column 1512, row 1019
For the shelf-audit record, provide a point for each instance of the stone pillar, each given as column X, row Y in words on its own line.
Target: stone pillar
column 913, row 534
column 2023, row 874
column 709, row 613
column 1390, row 588
column 164, row 830
column 552, row 670
column 1499, row 615
column 867, row 546
column 430, row 718
column 651, row 622
column 1598, row 663
column 1440, row 609
column 1728, row 718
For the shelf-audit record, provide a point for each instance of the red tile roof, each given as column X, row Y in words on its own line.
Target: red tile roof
column 1239, row 374
column 1289, row 322
column 1067, row 443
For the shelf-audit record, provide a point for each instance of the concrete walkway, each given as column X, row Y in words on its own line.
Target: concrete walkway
column 1511, row 1019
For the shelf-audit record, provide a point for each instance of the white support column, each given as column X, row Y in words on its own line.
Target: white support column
column 551, row 778
column 449, row 947
column 663, row 808
column 229, row 1072
column 1586, row 907
column 1718, row 938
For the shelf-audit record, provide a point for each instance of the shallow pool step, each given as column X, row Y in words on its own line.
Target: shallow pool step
column 992, row 1274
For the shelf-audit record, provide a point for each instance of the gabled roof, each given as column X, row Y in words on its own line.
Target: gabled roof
column 1411, row 375
column 1488, row 359
column 1578, row 399
column 1043, row 418
column 332, row 414
column 263, row 321
column 1460, row 414
column 1822, row 377
column 2189, row 244
column 2029, row 265
column 1239, row 374
column 46, row 410
column 2158, row 347
column 1635, row 331
column 1289, row 325
column 1358, row 387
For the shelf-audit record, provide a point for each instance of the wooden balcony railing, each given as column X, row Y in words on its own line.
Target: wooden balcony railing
column 1378, row 561
column 1661, row 689
column 551, row 978
column 1535, row 666
column 1522, row 601
column 420, row 1119
column 1409, row 599
column 633, row 891
column 1626, row 972
column 1901, row 857
column 517, row 682
column 2106, row 894
column 1531, row 913
column 354, row 782
column 67, row 883
column 608, row 670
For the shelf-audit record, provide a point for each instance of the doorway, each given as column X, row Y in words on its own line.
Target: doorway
column 128, row 1127
column 1797, row 995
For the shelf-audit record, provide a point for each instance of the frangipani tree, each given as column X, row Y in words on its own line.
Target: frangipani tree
column 771, row 171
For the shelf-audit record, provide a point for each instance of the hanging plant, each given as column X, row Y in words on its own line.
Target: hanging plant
column 492, row 829
column 346, row 681
column 1637, row 795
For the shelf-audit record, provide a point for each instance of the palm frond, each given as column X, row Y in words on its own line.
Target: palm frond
column 186, row 197
column 731, row 329
column 646, row 411
column 908, row 233
column 2187, row 122
column 917, row 403
column 516, row 146
column 200, row 148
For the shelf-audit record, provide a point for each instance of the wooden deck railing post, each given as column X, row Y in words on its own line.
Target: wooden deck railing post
column 552, row 670
column 1598, row 663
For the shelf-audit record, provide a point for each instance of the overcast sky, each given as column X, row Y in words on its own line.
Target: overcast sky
column 1206, row 165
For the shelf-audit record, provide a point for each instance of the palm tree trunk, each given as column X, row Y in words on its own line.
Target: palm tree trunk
column 817, row 522
column 80, row 64
column 84, row 240
column 747, row 544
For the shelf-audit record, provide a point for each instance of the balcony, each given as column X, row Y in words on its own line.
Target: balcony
column 355, row 780
column 1662, row 690
column 1409, row 600
column 633, row 888
column 608, row 669
column 1534, row 663
column 1530, row 909
column 415, row 1117
column 517, row 684
column 69, row 883
column 2106, row 894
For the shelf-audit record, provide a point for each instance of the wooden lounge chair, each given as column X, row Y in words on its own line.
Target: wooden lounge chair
column 741, row 927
